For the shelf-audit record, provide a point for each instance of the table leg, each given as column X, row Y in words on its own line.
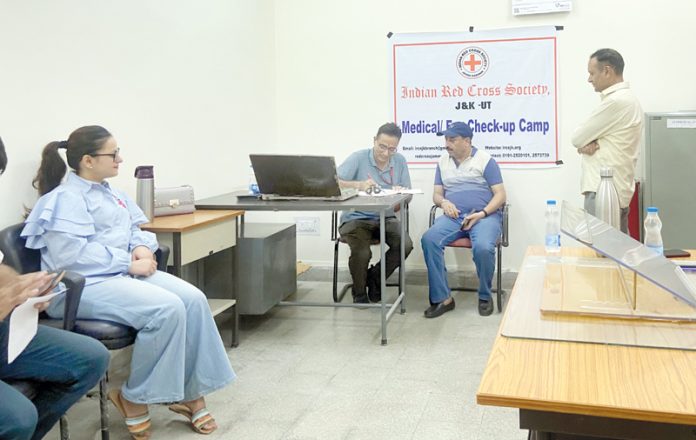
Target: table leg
column 176, row 240
column 402, row 265
column 382, row 277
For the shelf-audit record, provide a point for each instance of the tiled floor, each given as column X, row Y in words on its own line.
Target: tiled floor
column 321, row 373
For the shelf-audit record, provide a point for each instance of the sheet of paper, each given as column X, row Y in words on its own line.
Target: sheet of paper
column 391, row 192
column 685, row 264
column 24, row 322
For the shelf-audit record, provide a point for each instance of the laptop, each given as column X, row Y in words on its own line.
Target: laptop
column 298, row 177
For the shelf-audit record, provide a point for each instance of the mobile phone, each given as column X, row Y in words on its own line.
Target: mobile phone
column 676, row 253
column 57, row 277
column 465, row 223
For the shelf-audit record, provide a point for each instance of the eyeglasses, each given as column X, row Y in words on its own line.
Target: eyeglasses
column 386, row 148
column 113, row 155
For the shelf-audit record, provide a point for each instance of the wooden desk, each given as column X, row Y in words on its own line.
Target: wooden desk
column 586, row 389
column 194, row 236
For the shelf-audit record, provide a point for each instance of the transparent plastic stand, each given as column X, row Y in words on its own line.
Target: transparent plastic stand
column 632, row 282
column 631, row 297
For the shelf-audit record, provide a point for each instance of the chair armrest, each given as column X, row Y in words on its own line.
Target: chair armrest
column 433, row 211
column 74, row 283
column 162, row 256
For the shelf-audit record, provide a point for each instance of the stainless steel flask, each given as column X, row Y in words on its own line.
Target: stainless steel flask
column 145, row 190
column 607, row 206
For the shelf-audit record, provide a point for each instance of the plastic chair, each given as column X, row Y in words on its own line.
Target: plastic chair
column 113, row 335
column 336, row 238
column 466, row 243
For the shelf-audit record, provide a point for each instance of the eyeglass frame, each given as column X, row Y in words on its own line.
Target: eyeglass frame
column 113, row 155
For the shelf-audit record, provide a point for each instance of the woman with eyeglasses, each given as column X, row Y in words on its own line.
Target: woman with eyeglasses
column 85, row 225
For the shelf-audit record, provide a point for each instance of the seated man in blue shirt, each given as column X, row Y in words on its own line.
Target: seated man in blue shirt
column 378, row 166
column 470, row 191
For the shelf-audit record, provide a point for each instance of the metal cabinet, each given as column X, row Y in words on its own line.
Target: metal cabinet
column 670, row 180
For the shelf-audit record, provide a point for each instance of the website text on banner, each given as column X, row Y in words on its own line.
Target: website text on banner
column 502, row 83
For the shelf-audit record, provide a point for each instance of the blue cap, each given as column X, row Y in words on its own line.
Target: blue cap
column 550, row 202
column 457, row 129
column 653, row 209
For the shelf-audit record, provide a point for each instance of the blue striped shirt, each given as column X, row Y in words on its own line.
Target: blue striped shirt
column 468, row 184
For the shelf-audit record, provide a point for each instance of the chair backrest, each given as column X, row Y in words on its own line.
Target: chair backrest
column 16, row 255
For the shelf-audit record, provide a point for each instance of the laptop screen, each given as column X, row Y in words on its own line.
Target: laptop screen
column 296, row 175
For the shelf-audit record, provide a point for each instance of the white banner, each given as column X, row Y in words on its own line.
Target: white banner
column 502, row 83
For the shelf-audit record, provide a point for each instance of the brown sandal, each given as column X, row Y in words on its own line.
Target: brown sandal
column 138, row 426
column 198, row 420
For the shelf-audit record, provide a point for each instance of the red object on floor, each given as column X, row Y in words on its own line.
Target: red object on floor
column 634, row 214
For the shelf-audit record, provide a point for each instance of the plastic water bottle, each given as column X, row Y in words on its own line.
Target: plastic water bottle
column 653, row 228
column 553, row 228
column 607, row 206
column 253, row 185
column 145, row 190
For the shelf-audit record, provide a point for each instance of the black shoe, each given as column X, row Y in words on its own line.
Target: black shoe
column 360, row 299
column 438, row 309
column 485, row 307
column 374, row 290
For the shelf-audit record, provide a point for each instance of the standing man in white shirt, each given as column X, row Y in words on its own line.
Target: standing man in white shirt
column 610, row 136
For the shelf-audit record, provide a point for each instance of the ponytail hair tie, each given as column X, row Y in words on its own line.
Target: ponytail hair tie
column 63, row 144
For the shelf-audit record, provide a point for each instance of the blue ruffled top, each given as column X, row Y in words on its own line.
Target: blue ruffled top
column 87, row 227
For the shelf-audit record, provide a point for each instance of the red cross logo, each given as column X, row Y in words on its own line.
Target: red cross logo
column 472, row 62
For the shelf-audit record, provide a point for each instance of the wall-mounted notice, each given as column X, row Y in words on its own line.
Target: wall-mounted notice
column 526, row 7
column 503, row 83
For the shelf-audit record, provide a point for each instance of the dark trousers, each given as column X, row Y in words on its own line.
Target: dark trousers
column 67, row 364
column 360, row 234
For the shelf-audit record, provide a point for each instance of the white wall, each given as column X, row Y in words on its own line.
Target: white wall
column 185, row 86
column 194, row 87
column 333, row 85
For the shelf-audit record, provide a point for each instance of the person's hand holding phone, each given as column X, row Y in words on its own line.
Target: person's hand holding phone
column 470, row 219
column 21, row 288
column 55, row 277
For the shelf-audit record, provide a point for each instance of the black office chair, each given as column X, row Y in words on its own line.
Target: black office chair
column 113, row 335
column 500, row 244
column 336, row 238
column 73, row 282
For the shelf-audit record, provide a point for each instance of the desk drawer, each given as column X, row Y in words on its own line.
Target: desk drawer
column 207, row 240
column 202, row 241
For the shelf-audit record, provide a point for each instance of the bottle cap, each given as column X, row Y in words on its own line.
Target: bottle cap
column 606, row 172
column 550, row 202
column 145, row 172
column 653, row 209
